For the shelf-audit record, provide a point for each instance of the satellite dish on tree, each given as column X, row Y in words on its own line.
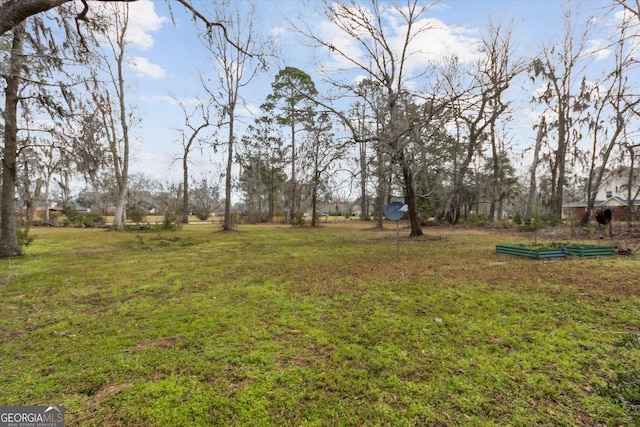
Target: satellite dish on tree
column 394, row 211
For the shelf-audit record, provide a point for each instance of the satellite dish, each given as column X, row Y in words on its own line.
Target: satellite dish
column 394, row 211
column 603, row 216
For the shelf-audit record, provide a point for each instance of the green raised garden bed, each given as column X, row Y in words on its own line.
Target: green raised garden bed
column 589, row 250
column 553, row 250
column 537, row 251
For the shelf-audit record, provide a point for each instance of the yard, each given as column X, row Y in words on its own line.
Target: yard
column 274, row 325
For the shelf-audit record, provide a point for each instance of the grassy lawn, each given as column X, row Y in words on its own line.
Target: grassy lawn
column 273, row 325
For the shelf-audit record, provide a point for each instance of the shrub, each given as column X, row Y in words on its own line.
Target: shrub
column 549, row 219
column 137, row 215
column 477, row 220
column 171, row 221
column 83, row 219
column 24, row 239
column 235, row 219
column 517, row 218
column 298, row 220
column 202, row 213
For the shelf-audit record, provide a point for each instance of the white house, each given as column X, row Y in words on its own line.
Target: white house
column 611, row 194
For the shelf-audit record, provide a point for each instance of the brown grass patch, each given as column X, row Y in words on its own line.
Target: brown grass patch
column 105, row 393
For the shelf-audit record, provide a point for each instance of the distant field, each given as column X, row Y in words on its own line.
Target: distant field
column 158, row 219
column 275, row 325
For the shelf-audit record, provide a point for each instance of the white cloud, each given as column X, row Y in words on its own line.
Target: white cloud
column 278, row 31
column 599, row 49
column 143, row 20
column 161, row 99
column 144, row 68
column 432, row 42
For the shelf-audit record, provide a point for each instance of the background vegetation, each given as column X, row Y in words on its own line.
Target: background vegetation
column 274, row 325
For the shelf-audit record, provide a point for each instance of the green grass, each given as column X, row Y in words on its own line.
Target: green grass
column 272, row 325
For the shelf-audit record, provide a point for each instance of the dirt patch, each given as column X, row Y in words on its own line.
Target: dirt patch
column 105, row 393
column 233, row 387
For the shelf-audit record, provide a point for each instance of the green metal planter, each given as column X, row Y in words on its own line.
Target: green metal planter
column 554, row 250
column 589, row 250
column 535, row 251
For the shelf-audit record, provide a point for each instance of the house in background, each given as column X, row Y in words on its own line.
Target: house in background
column 612, row 194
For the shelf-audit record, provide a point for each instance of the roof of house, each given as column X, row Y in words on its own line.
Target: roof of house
column 608, row 203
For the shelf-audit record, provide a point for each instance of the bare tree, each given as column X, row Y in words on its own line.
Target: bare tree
column 189, row 138
column 385, row 62
column 501, row 66
column 365, row 114
column 110, row 97
column 320, row 154
column 12, row 12
column 540, row 135
column 613, row 109
column 479, row 104
column 561, row 68
column 236, row 68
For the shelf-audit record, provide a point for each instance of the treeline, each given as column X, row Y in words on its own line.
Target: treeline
column 388, row 120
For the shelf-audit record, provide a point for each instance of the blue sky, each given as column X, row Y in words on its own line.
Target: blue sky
column 168, row 56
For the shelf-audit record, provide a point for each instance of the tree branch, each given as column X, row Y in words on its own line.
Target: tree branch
column 13, row 12
column 197, row 15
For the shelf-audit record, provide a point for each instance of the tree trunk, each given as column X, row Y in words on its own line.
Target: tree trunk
column 227, row 179
column 9, row 245
column 364, row 205
column 495, row 178
column 272, row 193
column 120, row 217
column 542, row 129
column 123, row 183
column 410, row 198
column 314, row 202
column 294, row 193
column 381, row 187
column 185, row 188
column 452, row 211
column 47, row 186
column 560, row 166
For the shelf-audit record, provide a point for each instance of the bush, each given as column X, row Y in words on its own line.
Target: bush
column 235, row 219
column 172, row 221
column 549, row 219
column 298, row 220
column 517, row 218
column 137, row 215
column 202, row 213
column 24, row 239
column 83, row 219
column 477, row 220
